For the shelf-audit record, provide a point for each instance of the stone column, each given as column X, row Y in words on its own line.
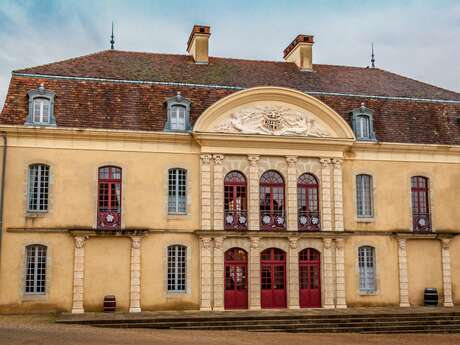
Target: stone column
column 218, row 274
column 205, row 192
column 292, row 193
column 326, row 214
column 135, row 282
column 340, row 273
column 293, row 274
column 446, row 273
column 218, row 204
column 206, row 273
column 403, row 274
column 254, row 275
column 78, row 275
column 253, row 218
column 328, row 274
column 338, row 198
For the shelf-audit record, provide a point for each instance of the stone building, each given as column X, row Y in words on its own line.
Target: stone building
column 197, row 182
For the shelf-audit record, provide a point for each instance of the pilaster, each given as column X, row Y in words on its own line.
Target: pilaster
column 403, row 274
column 78, row 275
column 338, row 196
column 135, row 275
column 254, row 275
column 340, row 273
column 218, row 202
column 328, row 274
column 293, row 282
column 326, row 214
column 218, row 274
column 446, row 273
column 253, row 219
column 292, row 193
column 205, row 173
column 206, row 273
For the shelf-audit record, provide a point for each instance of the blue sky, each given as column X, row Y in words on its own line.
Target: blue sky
column 419, row 39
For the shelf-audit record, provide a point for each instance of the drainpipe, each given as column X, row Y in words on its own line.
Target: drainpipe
column 2, row 192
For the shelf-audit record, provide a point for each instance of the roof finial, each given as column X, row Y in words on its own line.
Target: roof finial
column 372, row 57
column 112, row 39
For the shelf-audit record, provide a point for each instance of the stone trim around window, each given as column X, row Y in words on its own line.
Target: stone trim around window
column 363, row 111
column 178, row 100
column 40, row 92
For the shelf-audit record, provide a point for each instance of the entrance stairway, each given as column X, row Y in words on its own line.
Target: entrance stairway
column 360, row 320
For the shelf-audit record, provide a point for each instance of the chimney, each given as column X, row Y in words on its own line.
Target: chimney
column 197, row 45
column 300, row 51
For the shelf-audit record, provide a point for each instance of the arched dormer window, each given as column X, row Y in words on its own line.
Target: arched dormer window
column 363, row 123
column 178, row 111
column 41, row 107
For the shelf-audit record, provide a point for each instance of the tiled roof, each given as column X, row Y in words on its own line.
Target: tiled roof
column 134, row 105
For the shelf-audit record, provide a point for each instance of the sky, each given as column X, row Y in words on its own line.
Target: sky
column 418, row 39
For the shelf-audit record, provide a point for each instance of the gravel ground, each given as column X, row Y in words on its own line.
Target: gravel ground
column 40, row 330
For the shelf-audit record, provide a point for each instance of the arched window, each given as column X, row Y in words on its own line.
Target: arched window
column 109, row 198
column 420, row 204
column 363, row 124
column 308, row 203
column 235, row 201
column 178, row 109
column 177, row 191
column 236, row 279
column 364, row 198
column 366, row 262
column 177, row 268
column 41, row 107
column 271, row 195
column 35, row 274
column 38, row 188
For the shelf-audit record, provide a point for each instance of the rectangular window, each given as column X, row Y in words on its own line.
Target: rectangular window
column 177, row 270
column 35, row 279
column 364, row 202
column 366, row 258
column 177, row 191
column 38, row 188
column 178, row 117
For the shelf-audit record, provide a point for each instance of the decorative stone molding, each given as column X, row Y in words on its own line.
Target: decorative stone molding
column 446, row 273
column 205, row 173
column 253, row 219
column 293, row 242
column 328, row 274
column 403, row 274
column 326, row 214
column 340, row 273
column 292, row 193
column 254, row 274
column 218, row 203
column 255, row 242
column 338, row 195
column 293, row 293
column 206, row 273
column 135, row 275
column 78, row 275
column 218, row 274
column 272, row 120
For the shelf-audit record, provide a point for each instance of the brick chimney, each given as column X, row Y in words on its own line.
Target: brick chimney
column 198, row 43
column 300, row 51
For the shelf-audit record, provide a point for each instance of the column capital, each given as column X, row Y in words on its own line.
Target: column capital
column 327, row 242
column 445, row 242
column 206, row 158
column 291, row 161
column 340, row 243
column 255, row 242
column 337, row 163
column 206, row 241
column 293, row 242
column 80, row 241
column 218, row 158
column 136, row 242
column 253, row 159
column 218, row 242
column 402, row 243
column 325, row 162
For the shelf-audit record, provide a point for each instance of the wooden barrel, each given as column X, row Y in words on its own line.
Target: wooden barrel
column 431, row 297
column 110, row 303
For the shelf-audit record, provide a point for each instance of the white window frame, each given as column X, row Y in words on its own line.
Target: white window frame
column 41, row 194
column 176, row 274
column 364, row 201
column 42, row 117
column 367, row 270
column 38, row 282
column 363, row 127
column 178, row 117
column 177, row 184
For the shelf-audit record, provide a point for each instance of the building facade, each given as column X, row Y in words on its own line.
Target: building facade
column 193, row 182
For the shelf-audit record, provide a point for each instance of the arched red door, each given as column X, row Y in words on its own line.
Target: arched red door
column 273, row 278
column 236, row 279
column 309, row 278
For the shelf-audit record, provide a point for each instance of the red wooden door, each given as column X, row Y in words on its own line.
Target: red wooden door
column 273, row 278
column 309, row 278
column 236, row 279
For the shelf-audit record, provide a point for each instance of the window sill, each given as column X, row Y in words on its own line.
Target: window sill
column 373, row 293
column 34, row 297
column 365, row 219
column 36, row 214
column 178, row 294
column 34, row 124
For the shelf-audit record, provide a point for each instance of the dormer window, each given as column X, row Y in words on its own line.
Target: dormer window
column 178, row 109
column 362, row 122
column 41, row 107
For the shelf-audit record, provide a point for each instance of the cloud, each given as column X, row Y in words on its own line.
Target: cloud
column 413, row 38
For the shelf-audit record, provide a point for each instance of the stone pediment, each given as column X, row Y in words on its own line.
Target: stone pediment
column 271, row 119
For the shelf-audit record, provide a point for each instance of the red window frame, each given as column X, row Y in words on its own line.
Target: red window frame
column 236, row 278
column 109, row 197
column 273, row 278
column 308, row 203
column 271, row 194
column 309, row 278
column 421, row 219
column 235, row 201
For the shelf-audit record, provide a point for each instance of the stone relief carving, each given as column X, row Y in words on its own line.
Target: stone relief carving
column 273, row 120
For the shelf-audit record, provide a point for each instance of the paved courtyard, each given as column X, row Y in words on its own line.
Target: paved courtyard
column 41, row 330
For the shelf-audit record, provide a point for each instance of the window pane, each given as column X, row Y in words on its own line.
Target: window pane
column 366, row 269
column 177, row 120
column 177, row 191
column 38, row 187
column 177, row 256
column 35, row 274
column 364, row 195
